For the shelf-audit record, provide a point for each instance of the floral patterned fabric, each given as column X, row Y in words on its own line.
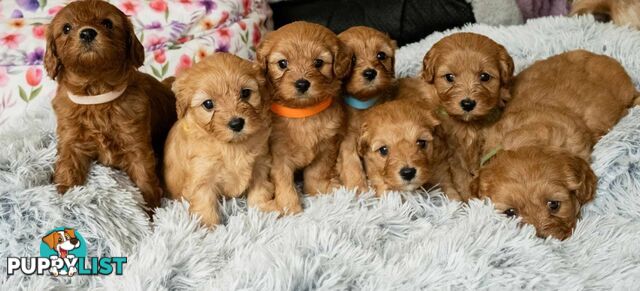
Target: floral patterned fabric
column 175, row 34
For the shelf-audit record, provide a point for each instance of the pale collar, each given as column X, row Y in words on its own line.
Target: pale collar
column 359, row 104
column 96, row 99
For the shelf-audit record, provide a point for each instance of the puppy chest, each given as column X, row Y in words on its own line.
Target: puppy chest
column 235, row 174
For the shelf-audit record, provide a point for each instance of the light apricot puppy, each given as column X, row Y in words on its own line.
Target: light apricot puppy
column 396, row 144
column 471, row 74
column 371, row 82
column 219, row 145
column 305, row 64
column 537, row 166
column 620, row 12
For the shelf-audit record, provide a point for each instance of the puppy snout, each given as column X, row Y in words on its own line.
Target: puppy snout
column 236, row 124
column 369, row 74
column 302, row 85
column 88, row 35
column 407, row 173
column 468, row 104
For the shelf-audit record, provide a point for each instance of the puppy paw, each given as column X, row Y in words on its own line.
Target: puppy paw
column 270, row 206
column 290, row 208
column 62, row 188
column 72, row 271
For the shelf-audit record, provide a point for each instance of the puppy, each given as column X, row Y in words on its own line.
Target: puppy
column 305, row 64
column 219, row 145
column 106, row 110
column 371, row 82
column 471, row 74
column 620, row 12
column 396, row 144
column 537, row 161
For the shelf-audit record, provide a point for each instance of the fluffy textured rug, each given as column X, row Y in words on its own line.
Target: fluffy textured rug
column 339, row 242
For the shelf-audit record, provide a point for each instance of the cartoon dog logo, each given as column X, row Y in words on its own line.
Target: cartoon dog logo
column 62, row 242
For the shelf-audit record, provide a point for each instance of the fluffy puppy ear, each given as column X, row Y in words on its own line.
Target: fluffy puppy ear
column 183, row 93
column 506, row 67
column 263, row 85
column 429, row 66
column 51, row 61
column 135, row 50
column 363, row 140
column 580, row 179
column 341, row 60
column 506, row 74
column 262, row 52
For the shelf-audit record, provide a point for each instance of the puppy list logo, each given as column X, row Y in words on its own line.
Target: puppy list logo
column 63, row 252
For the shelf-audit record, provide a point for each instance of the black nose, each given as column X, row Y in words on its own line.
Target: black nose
column 236, row 124
column 88, row 34
column 467, row 104
column 302, row 85
column 407, row 173
column 369, row 74
column 73, row 241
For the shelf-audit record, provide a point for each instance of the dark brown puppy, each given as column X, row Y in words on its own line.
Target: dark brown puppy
column 106, row 110
column 537, row 165
column 471, row 74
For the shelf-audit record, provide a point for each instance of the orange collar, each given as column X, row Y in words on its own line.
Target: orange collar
column 289, row 112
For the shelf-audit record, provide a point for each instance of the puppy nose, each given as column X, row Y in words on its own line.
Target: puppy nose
column 88, row 34
column 369, row 74
column 407, row 173
column 236, row 124
column 467, row 104
column 73, row 241
column 302, row 85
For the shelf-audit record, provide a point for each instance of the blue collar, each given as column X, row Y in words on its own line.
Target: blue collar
column 359, row 104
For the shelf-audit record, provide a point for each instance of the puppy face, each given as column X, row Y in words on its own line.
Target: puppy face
column 372, row 62
column 224, row 95
column 304, row 62
column 89, row 37
column 471, row 74
column 395, row 143
column 545, row 188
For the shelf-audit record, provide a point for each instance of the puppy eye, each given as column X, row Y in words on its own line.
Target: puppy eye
column 207, row 104
column 353, row 60
column 283, row 64
column 384, row 151
column 421, row 143
column 66, row 28
column 553, row 205
column 59, row 239
column 484, row 77
column 107, row 23
column 511, row 212
column 450, row 78
column 318, row 63
column 245, row 94
column 381, row 56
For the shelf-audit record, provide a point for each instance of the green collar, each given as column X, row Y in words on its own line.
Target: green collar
column 490, row 155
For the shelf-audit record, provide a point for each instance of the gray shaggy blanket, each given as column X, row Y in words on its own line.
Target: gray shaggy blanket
column 339, row 242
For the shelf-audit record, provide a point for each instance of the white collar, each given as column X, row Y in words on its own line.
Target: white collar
column 96, row 99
